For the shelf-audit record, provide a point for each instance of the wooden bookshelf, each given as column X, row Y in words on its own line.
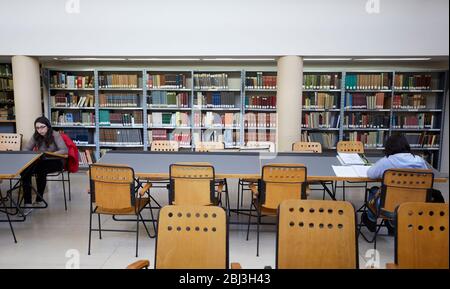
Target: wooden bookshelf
column 7, row 109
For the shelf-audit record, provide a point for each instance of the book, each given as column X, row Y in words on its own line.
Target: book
column 350, row 159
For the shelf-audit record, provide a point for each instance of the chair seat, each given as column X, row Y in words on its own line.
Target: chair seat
column 142, row 202
column 249, row 180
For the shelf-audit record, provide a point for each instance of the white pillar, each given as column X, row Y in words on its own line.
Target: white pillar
column 289, row 91
column 27, row 94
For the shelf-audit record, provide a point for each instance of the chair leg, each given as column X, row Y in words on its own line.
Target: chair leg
column 249, row 219
column 68, row 181
column 343, row 190
column 227, row 198
column 90, row 230
column 64, row 190
column 99, row 227
column 7, row 216
column 257, row 232
column 238, row 196
column 137, row 234
column 153, row 219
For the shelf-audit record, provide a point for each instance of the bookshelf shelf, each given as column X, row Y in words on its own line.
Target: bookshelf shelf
column 121, row 126
column 7, row 121
column 332, row 91
column 72, row 126
column 118, row 145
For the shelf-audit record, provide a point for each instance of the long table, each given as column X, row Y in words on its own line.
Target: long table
column 236, row 164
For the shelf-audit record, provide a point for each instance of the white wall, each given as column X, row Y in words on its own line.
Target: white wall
column 218, row 27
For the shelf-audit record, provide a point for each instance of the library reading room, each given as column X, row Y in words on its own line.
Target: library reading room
column 292, row 134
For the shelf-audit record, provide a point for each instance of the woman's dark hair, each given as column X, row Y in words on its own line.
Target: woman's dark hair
column 396, row 144
column 48, row 139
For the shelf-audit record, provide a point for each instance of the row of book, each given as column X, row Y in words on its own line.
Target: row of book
column 86, row 157
column 260, row 120
column 5, row 114
column 364, row 120
column 216, row 99
column 71, row 99
column 407, row 101
column 107, row 117
column 211, row 81
column 72, row 118
column 119, row 80
column 6, row 98
column 261, row 101
column 422, row 140
column 120, row 137
column 67, row 80
column 212, row 119
column 367, row 81
column 261, row 81
column 183, row 138
column 168, row 99
column 176, row 119
column 411, row 82
column 327, row 140
column 80, row 136
column 6, row 84
column 167, row 80
column 260, row 135
column 372, row 139
column 119, row 100
column 320, row 120
column 319, row 100
column 321, row 81
column 5, row 70
column 228, row 137
column 417, row 121
column 363, row 101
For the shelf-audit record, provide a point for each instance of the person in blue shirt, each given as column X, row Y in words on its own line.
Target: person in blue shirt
column 397, row 156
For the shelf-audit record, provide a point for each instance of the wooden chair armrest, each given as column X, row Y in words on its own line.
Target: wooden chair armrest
column 391, row 266
column 236, row 266
column 141, row 264
column 254, row 189
column 144, row 189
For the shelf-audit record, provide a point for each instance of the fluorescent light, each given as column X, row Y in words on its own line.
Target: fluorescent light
column 238, row 59
column 93, row 58
column 326, row 59
column 164, row 59
column 394, row 59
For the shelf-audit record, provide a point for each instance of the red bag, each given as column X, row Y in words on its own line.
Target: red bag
column 72, row 153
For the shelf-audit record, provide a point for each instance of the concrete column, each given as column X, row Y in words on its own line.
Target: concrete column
column 289, row 91
column 27, row 94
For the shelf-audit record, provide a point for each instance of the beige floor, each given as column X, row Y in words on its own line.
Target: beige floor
column 55, row 238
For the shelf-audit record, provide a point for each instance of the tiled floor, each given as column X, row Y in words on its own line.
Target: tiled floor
column 55, row 238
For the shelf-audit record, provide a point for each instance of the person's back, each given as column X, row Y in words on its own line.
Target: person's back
column 403, row 160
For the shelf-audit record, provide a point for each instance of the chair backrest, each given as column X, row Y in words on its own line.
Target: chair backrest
column 10, row 141
column 350, row 147
column 206, row 146
column 316, row 234
column 112, row 186
column 191, row 184
column 405, row 185
column 422, row 236
column 192, row 237
column 281, row 182
column 164, row 146
column 266, row 145
column 307, row 147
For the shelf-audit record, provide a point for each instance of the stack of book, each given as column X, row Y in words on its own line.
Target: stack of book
column 167, row 80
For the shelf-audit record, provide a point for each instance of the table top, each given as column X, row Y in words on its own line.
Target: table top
column 233, row 164
column 12, row 163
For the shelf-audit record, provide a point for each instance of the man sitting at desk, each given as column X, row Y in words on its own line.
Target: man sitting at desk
column 44, row 139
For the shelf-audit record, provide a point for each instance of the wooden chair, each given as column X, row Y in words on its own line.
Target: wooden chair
column 307, row 147
column 192, row 184
column 316, row 234
column 222, row 183
column 399, row 186
column 115, row 191
column 421, row 240
column 190, row 237
column 10, row 141
column 164, row 146
column 278, row 182
column 245, row 183
column 349, row 147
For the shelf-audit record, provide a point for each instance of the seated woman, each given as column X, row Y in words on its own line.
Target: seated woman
column 44, row 139
column 397, row 156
